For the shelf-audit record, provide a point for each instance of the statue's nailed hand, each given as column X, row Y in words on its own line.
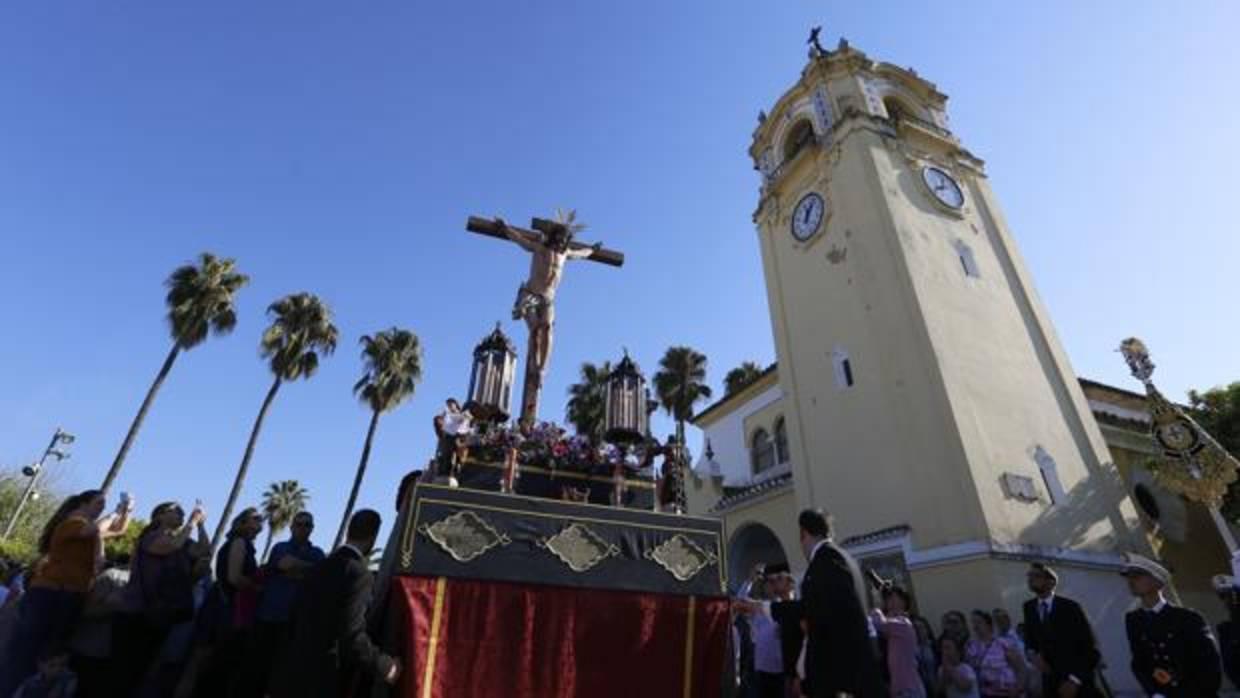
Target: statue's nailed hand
column 597, row 246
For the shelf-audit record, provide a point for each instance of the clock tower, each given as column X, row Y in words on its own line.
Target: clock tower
column 926, row 392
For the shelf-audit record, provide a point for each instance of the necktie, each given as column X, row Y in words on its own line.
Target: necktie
column 1045, row 607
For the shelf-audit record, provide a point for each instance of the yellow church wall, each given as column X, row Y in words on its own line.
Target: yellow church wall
column 844, row 440
column 999, row 583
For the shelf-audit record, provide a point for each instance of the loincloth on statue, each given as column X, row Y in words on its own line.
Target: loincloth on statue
column 531, row 305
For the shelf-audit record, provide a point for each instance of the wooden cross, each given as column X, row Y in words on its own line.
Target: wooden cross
column 550, row 246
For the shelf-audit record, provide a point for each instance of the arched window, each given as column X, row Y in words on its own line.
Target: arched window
column 781, row 441
column 762, row 451
column 898, row 109
column 843, row 368
column 801, row 135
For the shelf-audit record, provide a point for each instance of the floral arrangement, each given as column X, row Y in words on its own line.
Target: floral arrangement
column 548, row 445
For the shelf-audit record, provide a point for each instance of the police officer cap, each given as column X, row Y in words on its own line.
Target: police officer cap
column 1137, row 564
column 1044, row 570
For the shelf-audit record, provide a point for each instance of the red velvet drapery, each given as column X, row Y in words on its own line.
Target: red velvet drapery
column 466, row 639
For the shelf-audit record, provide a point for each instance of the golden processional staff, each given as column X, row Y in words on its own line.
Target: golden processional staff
column 1191, row 463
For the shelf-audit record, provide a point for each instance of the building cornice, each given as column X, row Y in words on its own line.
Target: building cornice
column 728, row 403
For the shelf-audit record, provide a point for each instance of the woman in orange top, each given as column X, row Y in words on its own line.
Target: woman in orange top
column 71, row 550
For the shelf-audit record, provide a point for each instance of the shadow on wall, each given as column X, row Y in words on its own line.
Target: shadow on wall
column 1092, row 501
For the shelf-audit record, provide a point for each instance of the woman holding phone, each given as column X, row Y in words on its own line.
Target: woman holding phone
column 160, row 592
column 70, row 555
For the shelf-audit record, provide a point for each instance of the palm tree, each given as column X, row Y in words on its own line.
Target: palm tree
column 200, row 302
column 281, row 502
column 393, row 361
column 680, row 384
column 587, row 401
column 300, row 330
column 741, row 376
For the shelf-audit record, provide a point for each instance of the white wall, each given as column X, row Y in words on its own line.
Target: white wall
column 727, row 440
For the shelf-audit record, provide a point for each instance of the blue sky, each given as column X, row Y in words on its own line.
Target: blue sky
column 338, row 148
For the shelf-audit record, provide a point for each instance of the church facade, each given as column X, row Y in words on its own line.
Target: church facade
column 921, row 395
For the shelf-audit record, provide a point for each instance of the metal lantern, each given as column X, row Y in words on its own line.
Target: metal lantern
column 626, row 419
column 490, row 382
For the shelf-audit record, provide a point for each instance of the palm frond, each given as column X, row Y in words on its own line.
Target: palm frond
column 392, row 360
column 301, row 331
column 200, row 299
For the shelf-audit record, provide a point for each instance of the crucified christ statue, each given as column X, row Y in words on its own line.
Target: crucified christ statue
column 550, row 245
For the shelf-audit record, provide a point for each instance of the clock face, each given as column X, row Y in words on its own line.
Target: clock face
column 807, row 216
column 944, row 188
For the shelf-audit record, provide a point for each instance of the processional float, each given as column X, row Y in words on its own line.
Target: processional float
column 533, row 563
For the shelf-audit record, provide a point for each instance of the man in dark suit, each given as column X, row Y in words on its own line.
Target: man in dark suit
column 1059, row 634
column 839, row 656
column 329, row 648
column 1229, row 630
column 1173, row 654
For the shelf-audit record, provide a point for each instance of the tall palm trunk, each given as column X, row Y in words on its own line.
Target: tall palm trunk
column 222, row 525
column 680, row 432
column 357, row 479
column 141, row 416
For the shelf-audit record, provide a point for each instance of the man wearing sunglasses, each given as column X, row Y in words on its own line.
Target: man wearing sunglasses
column 286, row 568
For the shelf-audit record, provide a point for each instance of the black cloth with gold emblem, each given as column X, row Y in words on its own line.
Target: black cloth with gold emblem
column 461, row 532
column 543, row 597
column 1173, row 653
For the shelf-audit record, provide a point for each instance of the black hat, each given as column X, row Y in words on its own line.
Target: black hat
column 773, row 568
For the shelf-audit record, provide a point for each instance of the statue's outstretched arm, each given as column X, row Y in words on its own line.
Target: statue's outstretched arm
column 527, row 241
column 583, row 252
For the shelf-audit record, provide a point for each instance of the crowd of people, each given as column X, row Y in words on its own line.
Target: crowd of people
column 171, row 619
column 823, row 642
column 164, row 621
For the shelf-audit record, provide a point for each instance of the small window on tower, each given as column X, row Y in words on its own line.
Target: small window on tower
column 1050, row 475
column 843, row 368
column 967, row 261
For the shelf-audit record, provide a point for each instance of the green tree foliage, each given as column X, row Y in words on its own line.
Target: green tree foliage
column 587, row 401
column 680, row 384
column 22, row 545
column 393, row 368
column 741, row 376
column 281, row 502
column 1217, row 410
column 124, row 544
column 200, row 302
column 301, row 330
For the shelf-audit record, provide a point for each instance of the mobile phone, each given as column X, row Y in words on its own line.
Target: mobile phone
column 126, row 501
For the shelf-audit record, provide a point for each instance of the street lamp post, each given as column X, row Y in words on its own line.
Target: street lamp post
column 33, row 472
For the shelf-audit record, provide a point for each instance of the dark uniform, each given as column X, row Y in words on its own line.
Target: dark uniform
column 1173, row 653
